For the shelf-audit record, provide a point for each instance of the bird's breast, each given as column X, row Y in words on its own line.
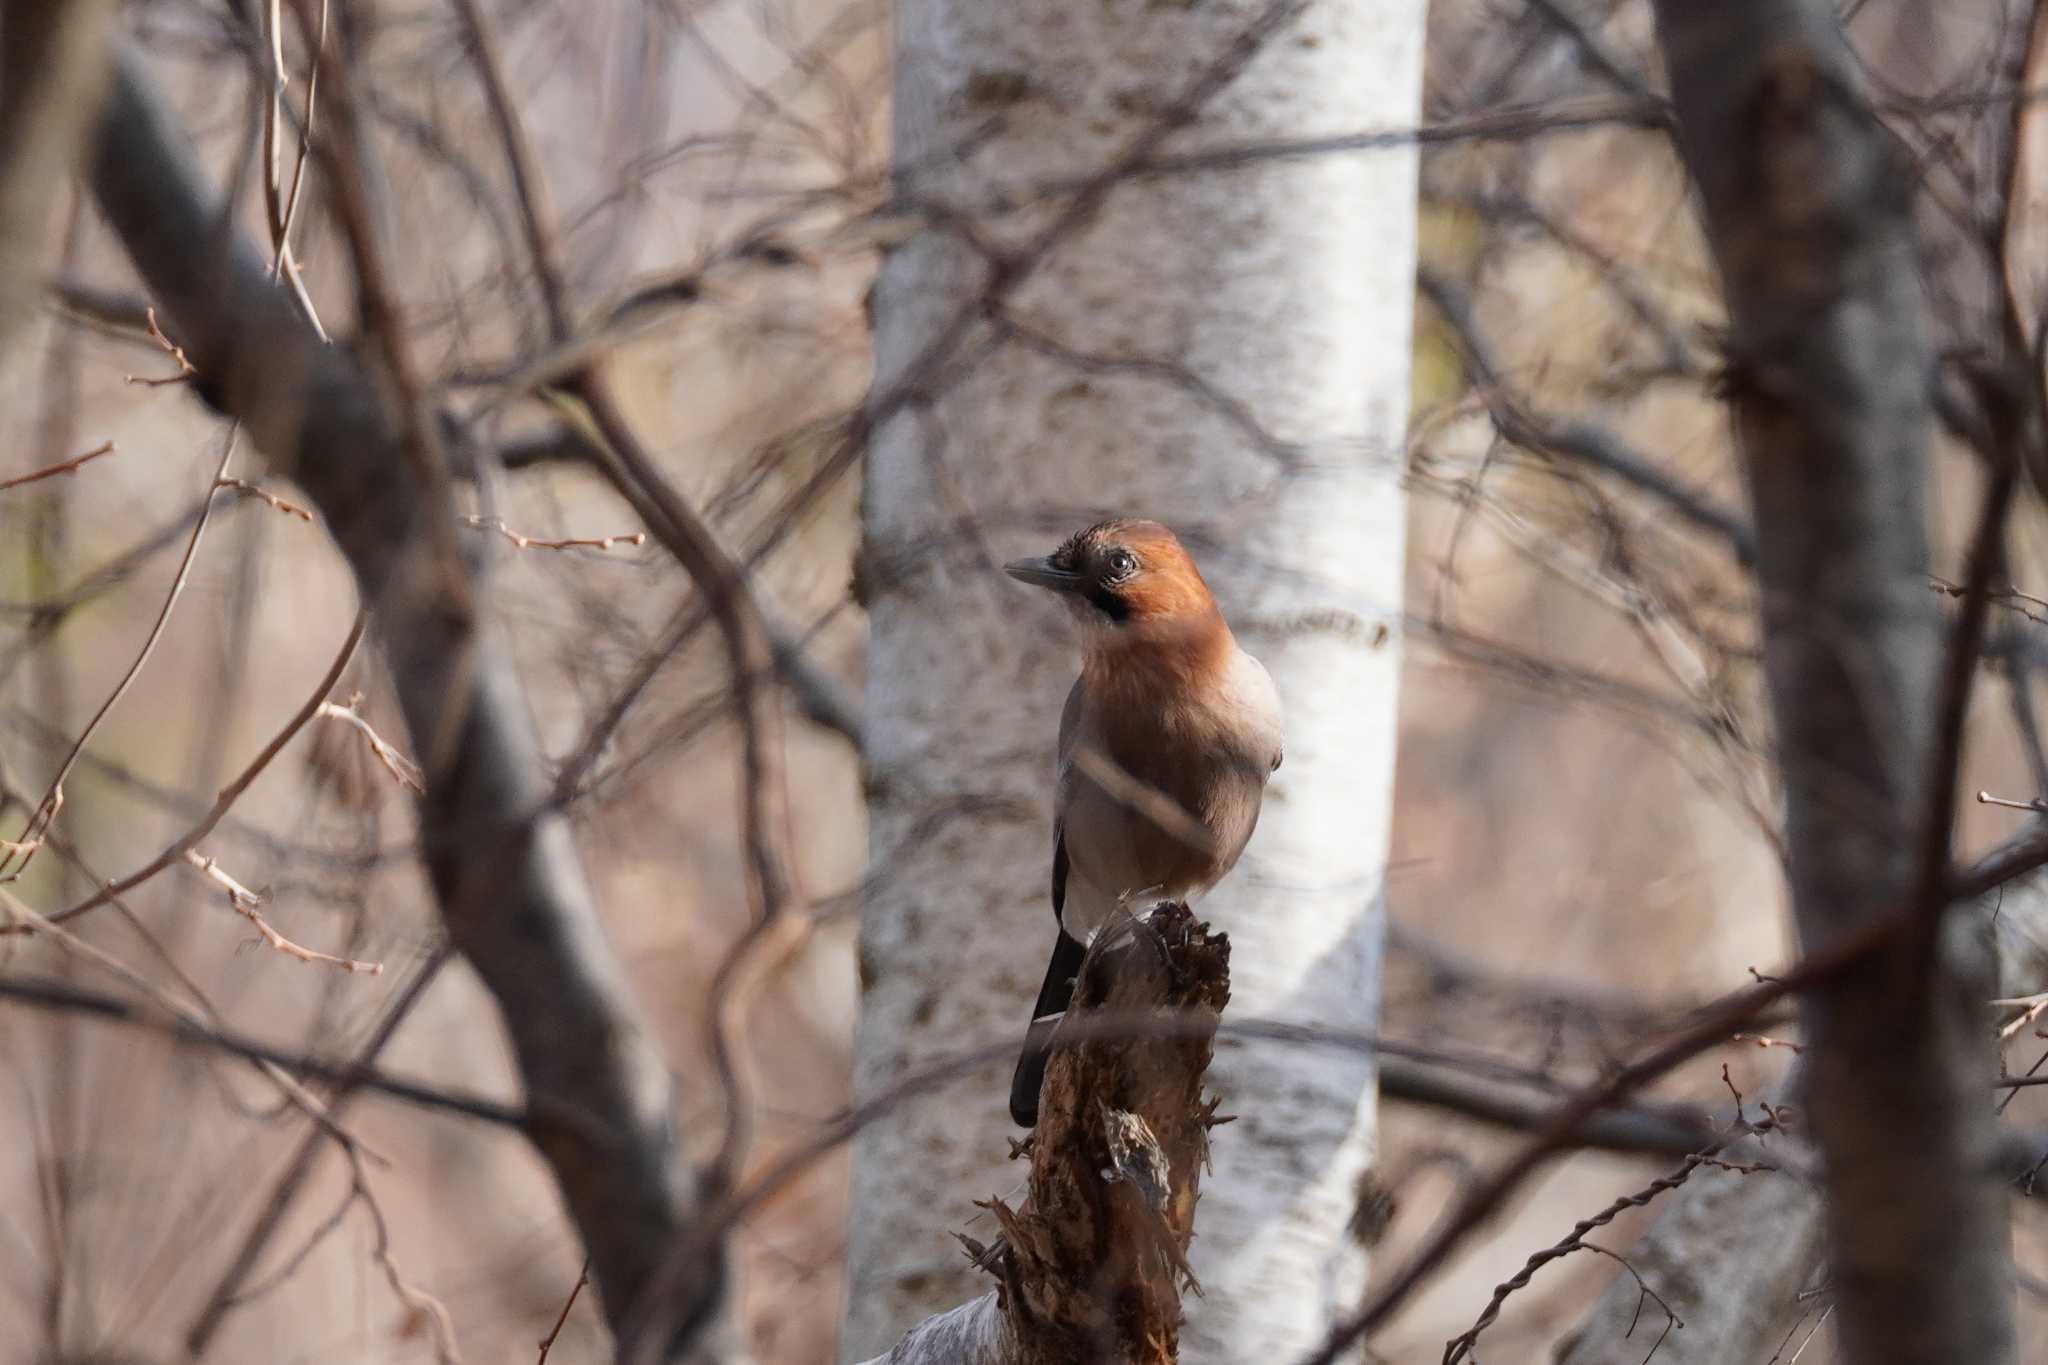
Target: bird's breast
column 1199, row 755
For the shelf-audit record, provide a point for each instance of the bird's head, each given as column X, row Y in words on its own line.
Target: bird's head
column 1124, row 576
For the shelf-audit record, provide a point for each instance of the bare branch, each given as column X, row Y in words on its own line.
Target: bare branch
column 1582, row 441
column 599, row 1094
column 70, row 466
column 526, row 542
column 244, row 902
column 57, row 995
column 229, row 794
column 230, row 1291
column 250, row 490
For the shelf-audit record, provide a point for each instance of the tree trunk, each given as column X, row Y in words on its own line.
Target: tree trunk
column 1095, row 1268
column 1224, row 348
column 1807, row 206
column 1732, row 1252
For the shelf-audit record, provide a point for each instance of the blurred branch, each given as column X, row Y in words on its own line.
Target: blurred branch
column 231, row 793
column 510, row 886
column 1633, row 293
column 1602, row 58
column 232, row 1288
column 110, row 308
column 185, row 1032
column 45, row 813
column 824, row 701
column 1660, row 1129
column 532, row 190
column 1582, row 441
column 555, row 443
column 1453, row 972
column 1737, row 1250
column 51, row 70
column 1510, row 124
column 775, row 922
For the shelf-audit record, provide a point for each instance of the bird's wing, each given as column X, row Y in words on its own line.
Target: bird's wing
column 1070, row 721
column 1070, row 725
column 1059, row 871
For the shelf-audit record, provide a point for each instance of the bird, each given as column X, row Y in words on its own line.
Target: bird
column 1166, row 743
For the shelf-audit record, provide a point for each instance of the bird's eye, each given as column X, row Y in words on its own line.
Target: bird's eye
column 1122, row 564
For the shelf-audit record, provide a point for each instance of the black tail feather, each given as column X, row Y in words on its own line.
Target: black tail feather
column 1053, row 998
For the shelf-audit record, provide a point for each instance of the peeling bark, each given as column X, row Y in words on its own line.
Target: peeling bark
column 1093, row 1266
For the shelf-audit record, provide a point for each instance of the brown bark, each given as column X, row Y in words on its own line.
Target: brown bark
column 1092, row 1268
column 1807, row 202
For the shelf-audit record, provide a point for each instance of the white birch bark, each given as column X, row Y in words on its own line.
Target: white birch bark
column 1269, row 304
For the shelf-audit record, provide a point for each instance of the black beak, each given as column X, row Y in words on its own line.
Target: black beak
column 1043, row 573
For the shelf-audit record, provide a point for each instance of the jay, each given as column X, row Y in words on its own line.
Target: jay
column 1165, row 745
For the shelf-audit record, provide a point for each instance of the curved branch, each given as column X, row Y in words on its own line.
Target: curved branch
column 507, row 878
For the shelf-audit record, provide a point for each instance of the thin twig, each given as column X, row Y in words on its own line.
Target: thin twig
column 547, row 1343
column 526, row 180
column 58, row 995
column 774, row 929
column 281, row 208
column 70, row 466
column 246, row 902
column 1959, row 674
column 417, row 1300
column 226, row 1294
column 326, row 1121
column 1716, row 1022
column 247, row 489
column 2009, row 597
column 1580, row 441
column 230, row 793
column 347, row 157
column 404, row 769
column 1461, row 1347
column 526, row 542
column 185, row 373
column 53, row 799
column 1763, row 1042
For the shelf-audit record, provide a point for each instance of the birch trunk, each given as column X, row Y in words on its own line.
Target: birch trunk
column 1224, row 349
